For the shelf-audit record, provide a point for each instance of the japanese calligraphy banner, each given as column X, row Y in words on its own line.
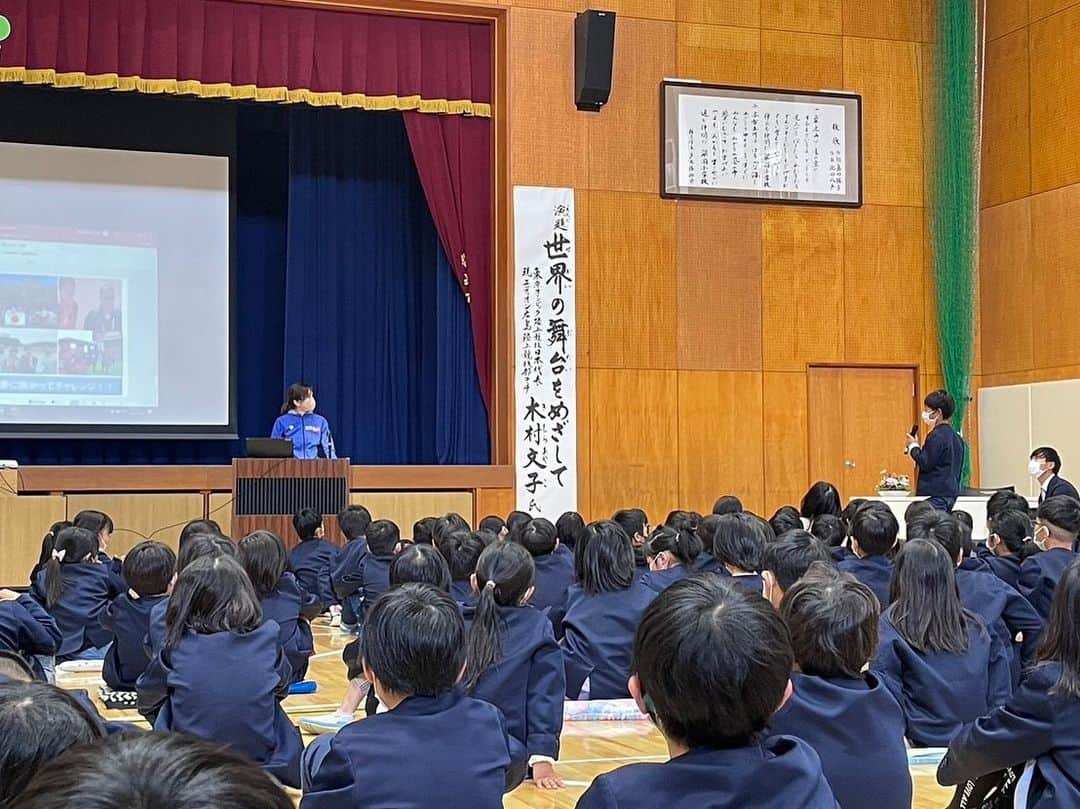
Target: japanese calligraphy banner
column 545, row 277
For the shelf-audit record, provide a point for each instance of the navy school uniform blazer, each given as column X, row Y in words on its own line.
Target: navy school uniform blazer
column 448, row 751
column 1039, row 575
column 88, row 589
column 1006, row 568
column 1058, row 487
column 873, row 571
column 291, row 608
column 527, row 683
column 462, row 593
column 598, row 639
column 311, row 561
column 375, row 580
column 941, row 463
column 155, row 633
column 707, row 563
column 27, row 630
column 660, row 580
column 939, row 691
column 554, row 575
column 779, row 773
column 839, row 553
column 128, row 619
column 225, row 687
column 857, row 729
column 1005, row 613
column 345, row 574
column 1034, row 724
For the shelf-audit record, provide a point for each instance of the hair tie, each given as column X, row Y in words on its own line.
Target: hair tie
column 490, row 585
column 59, row 555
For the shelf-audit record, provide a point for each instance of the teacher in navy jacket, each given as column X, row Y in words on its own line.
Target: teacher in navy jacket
column 941, row 458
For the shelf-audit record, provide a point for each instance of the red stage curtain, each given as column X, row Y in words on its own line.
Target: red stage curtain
column 453, row 158
column 218, row 48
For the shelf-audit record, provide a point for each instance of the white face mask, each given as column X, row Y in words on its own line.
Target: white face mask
column 928, row 416
column 1035, row 468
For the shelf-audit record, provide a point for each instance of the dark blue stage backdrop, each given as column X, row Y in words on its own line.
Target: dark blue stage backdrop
column 340, row 280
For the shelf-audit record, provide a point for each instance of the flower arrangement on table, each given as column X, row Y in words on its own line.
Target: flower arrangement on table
column 894, row 485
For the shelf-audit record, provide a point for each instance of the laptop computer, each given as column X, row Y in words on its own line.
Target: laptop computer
column 269, row 447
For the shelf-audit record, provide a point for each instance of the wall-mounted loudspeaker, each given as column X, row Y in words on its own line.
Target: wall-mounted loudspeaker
column 594, row 49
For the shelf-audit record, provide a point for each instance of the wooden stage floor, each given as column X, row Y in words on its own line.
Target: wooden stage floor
column 588, row 748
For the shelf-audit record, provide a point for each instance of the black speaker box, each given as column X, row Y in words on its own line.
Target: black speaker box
column 594, row 49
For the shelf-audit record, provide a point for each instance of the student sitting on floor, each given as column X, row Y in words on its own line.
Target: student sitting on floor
column 514, row 663
column 1040, row 724
column 148, row 570
column 929, row 644
column 48, row 542
column 635, row 523
column 711, row 664
column 462, row 552
column 370, row 578
column 727, row 504
column 784, row 519
column 873, row 536
column 830, row 530
column 494, row 524
column 353, row 522
column 843, row 711
column 75, row 589
column 787, row 560
column 1009, row 544
column 738, row 544
column 222, row 672
column 100, row 525
column 30, row 632
column 569, row 529
column 283, row 601
column 706, row 533
column 159, row 770
column 433, row 746
column 312, row 560
column 1057, row 524
column 672, row 555
column 554, row 570
column 602, row 610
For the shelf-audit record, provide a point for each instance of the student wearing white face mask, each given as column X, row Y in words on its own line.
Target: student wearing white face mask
column 1045, row 467
column 941, row 458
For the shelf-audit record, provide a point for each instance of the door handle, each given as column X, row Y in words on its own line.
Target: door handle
column 850, row 464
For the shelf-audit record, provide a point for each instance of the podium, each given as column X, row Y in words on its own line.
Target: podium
column 267, row 492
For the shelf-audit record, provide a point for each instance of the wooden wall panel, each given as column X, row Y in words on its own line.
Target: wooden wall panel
column 141, row 516
column 785, row 438
column 803, row 287
column 719, row 54
column 1005, row 16
column 813, row 16
column 552, row 149
column 825, row 423
column 888, row 75
column 1006, row 149
column 884, row 19
column 720, row 439
column 1038, row 9
column 801, row 61
column 584, row 443
column 719, row 286
column 221, row 511
column 23, row 522
column 405, row 508
column 746, row 13
column 632, row 290
column 492, row 501
column 883, row 284
column 635, row 452
column 1006, row 280
column 1055, row 86
column 622, row 137
column 583, row 226
column 1055, row 298
column 641, row 9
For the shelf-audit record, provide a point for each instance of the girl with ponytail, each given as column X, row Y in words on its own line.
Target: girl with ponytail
column 513, row 662
column 75, row 590
column 671, row 554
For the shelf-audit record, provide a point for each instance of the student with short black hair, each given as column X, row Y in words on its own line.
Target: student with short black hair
column 1057, row 525
column 38, row 722
column 281, row 598
column 314, row 558
column 160, row 770
column 711, row 665
column 941, row 458
column 413, row 652
column 784, row 519
column 371, row 578
column 602, row 611
column 100, row 525
column 569, row 529
column 462, row 551
column 683, row 520
column 422, row 531
column 635, row 523
column 29, row 632
column 1045, row 466
column 74, row 588
column 1009, row 543
column 706, row 533
column 915, row 510
column 672, row 555
column 873, row 536
column 929, row 642
column 849, row 511
column 493, row 523
column 195, row 527
column 1040, row 724
column 420, row 563
column 843, row 711
column 728, row 504
column 516, row 520
column 1006, row 500
column 739, row 545
column 514, row 662
column 353, row 522
column 787, row 560
column 14, row 668
column 222, row 671
column 554, row 571
column 832, row 532
column 446, row 525
column 149, row 569
column 821, row 498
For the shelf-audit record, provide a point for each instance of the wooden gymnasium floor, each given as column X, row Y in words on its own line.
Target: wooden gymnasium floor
column 588, row 748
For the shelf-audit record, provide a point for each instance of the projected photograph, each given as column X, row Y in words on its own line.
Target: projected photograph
column 28, row 351
column 29, row 301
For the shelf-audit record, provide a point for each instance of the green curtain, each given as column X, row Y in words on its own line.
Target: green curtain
column 954, row 204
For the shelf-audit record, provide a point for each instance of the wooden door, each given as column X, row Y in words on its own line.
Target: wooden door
column 857, row 420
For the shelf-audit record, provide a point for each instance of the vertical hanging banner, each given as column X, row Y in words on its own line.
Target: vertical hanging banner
column 545, row 277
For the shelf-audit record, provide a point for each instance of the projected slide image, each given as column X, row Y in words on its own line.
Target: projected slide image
column 29, row 300
column 28, row 351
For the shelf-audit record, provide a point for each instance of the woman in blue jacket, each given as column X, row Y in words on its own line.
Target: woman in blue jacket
column 298, row 422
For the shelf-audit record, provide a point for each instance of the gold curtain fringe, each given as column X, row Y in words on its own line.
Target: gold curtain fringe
column 245, row 92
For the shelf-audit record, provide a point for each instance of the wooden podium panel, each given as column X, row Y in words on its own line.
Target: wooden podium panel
column 267, row 492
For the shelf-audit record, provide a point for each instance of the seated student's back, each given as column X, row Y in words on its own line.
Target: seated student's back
column 148, row 569
column 433, row 746
column 75, row 589
column 739, row 542
column 873, row 535
column 1008, row 544
column 373, row 577
column 787, row 559
column 672, row 555
column 1057, row 525
column 314, row 559
column 635, row 522
column 27, row 630
column 554, row 571
column 842, row 711
column 462, row 551
column 710, row 666
column 1040, row 723
column 353, row 522
column 929, row 643
column 602, row 612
